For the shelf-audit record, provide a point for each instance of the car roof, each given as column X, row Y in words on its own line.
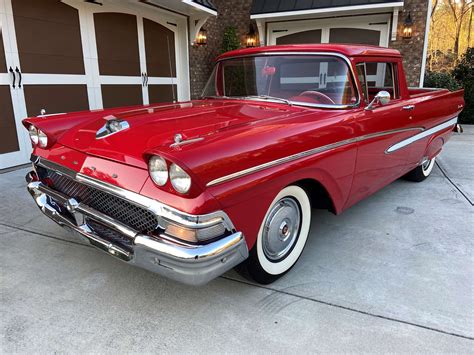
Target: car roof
column 349, row 50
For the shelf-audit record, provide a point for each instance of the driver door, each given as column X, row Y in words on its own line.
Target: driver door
column 378, row 129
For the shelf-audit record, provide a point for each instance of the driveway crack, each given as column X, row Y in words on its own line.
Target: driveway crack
column 454, row 185
column 349, row 308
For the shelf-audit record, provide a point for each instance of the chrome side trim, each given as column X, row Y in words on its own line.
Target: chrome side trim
column 306, row 154
column 421, row 135
column 424, row 133
column 330, row 54
column 156, row 207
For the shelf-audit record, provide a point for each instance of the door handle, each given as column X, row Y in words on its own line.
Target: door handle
column 143, row 79
column 146, row 79
column 409, row 107
column 14, row 77
column 19, row 74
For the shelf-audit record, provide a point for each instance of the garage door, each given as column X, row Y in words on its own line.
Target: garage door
column 136, row 59
column 371, row 30
column 70, row 55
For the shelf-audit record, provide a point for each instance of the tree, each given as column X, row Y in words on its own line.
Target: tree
column 459, row 9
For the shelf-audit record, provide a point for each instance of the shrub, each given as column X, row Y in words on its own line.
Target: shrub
column 440, row 80
column 231, row 40
column 464, row 74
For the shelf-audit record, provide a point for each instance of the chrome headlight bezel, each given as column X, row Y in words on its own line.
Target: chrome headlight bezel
column 180, row 180
column 33, row 132
column 158, row 170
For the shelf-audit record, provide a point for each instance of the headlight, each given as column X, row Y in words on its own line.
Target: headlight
column 33, row 134
column 180, row 180
column 158, row 170
column 42, row 139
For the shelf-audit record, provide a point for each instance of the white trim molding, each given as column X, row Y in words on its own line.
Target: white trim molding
column 272, row 15
column 422, row 135
column 200, row 7
column 393, row 36
column 425, row 44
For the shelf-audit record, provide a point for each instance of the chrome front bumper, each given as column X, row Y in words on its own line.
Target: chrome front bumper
column 193, row 264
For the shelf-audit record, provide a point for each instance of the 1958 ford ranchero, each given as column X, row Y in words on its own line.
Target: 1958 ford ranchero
column 192, row 189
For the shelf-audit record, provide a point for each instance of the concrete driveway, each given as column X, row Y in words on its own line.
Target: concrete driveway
column 395, row 273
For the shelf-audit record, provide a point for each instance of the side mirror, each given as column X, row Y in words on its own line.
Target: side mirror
column 382, row 98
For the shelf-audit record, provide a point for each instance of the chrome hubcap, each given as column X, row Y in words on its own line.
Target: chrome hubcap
column 281, row 229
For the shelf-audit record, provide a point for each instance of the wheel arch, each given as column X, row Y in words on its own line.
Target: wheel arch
column 318, row 194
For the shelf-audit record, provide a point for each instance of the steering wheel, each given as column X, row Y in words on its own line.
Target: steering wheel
column 318, row 96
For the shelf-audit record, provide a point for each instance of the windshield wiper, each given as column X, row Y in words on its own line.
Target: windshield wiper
column 267, row 97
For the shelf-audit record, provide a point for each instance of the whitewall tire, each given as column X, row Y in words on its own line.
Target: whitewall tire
column 282, row 236
column 422, row 171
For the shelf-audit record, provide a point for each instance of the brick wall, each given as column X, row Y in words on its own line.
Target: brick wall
column 201, row 58
column 412, row 49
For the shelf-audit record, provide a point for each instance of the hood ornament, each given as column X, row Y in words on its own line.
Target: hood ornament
column 179, row 140
column 111, row 126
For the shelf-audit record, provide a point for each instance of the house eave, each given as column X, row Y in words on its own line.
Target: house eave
column 310, row 12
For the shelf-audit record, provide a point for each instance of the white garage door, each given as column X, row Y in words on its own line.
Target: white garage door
column 372, row 30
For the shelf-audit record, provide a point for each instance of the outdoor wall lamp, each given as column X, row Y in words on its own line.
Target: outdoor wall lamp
column 408, row 27
column 201, row 38
column 251, row 37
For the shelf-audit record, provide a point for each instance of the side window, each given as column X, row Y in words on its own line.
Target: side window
column 382, row 76
column 362, row 76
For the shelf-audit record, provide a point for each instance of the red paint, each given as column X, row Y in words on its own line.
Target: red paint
column 240, row 134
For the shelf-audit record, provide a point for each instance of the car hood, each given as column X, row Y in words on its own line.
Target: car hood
column 153, row 128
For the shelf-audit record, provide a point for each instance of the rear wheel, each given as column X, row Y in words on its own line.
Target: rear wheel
column 421, row 172
column 282, row 236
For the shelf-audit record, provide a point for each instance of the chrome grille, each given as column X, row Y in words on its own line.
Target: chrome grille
column 111, row 235
column 122, row 210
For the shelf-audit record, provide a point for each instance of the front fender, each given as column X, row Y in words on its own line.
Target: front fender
column 247, row 199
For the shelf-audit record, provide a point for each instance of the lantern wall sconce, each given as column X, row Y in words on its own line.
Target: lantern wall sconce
column 251, row 37
column 408, row 27
column 201, row 38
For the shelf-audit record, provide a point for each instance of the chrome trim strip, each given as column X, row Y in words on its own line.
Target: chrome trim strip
column 297, row 103
column 156, row 207
column 424, row 133
column 306, row 154
column 421, row 135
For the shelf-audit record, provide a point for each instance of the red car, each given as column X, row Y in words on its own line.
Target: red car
column 191, row 189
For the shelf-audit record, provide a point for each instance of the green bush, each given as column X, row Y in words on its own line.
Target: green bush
column 464, row 74
column 231, row 40
column 440, row 80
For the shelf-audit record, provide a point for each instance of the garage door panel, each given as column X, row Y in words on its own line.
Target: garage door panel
column 117, row 44
column 312, row 36
column 121, row 95
column 55, row 98
column 3, row 61
column 160, row 49
column 48, row 37
column 161, row 93
column 8, row 132
column 354, row 35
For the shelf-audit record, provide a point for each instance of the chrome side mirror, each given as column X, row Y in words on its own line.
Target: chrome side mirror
column 382, row 98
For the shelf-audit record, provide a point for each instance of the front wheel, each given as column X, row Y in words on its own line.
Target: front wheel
column 421, row 172
column 282, row 236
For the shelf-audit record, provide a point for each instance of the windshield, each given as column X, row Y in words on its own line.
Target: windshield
column 312, row 80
